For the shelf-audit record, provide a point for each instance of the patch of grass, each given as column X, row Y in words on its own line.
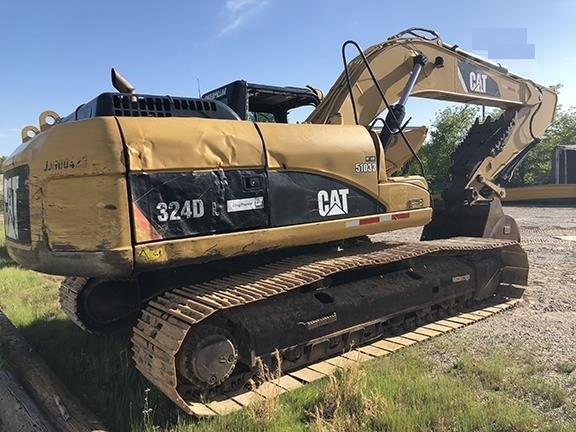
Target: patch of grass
column 515, row 373
column 424, row 401
column 26, row 296
column 566, row 367
column 343, row 405
column 490, row 375
column 4, row 258
column 551, row 395
column 263, row 411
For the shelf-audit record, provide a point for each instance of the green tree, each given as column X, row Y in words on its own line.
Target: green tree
column 447, row 132
column 261, row 117
column 2, row 159
column 450, row 127
column 537, row 166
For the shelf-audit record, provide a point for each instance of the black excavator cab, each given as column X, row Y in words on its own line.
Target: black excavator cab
column 264, row 102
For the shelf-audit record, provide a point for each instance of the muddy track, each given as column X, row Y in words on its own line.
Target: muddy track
column 295, row 379
column 164, row 324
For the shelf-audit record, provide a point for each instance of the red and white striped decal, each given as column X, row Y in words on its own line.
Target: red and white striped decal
column 376, row 219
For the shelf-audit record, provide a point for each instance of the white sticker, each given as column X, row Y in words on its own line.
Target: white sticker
column 461, row 278
column 244, row 204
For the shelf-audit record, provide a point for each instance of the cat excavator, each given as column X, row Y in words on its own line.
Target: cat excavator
column 232, row 243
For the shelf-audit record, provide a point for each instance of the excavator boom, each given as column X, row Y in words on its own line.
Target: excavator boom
column 409, row 64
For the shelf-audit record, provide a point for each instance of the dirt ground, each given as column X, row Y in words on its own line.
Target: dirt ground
column 544, row 322
column 546, row 317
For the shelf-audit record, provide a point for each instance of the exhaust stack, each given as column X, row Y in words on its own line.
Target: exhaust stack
column 121, row 84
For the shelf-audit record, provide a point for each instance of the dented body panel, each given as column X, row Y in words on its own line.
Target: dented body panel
column 120, row 196
column 76, row 195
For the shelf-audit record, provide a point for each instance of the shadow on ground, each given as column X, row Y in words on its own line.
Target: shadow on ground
column 99, row 370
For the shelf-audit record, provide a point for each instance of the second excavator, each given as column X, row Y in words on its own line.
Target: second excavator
column 235, row 243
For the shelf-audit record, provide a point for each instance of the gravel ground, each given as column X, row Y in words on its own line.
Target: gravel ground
column 544, row 322
column 546, row 317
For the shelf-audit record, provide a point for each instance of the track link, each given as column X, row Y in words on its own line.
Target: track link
column 313, row 372
column 163, row 325
column 68, row 295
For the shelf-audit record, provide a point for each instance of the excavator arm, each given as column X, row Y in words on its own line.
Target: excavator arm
column 412, row 64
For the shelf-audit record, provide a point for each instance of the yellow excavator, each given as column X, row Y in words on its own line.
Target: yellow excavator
column 234, row 243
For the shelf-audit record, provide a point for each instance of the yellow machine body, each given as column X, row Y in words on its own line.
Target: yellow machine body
column 83, row 219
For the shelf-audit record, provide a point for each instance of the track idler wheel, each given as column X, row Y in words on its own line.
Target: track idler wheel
column 207, row 357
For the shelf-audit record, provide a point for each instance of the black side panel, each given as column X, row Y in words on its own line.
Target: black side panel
column 17, row 205
column 200, row 203
column 190, row 204
column 235, row 95
column 570, row 167
column 129, row 105
column 297, row 198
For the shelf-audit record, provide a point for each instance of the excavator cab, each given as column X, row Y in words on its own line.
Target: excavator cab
column 261, row 102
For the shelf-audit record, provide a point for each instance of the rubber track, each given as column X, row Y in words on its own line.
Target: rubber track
column 161, row 329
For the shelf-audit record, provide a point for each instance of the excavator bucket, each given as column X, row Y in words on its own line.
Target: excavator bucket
column 483, row 219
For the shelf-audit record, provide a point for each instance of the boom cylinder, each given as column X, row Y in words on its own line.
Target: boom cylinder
column 397, row 112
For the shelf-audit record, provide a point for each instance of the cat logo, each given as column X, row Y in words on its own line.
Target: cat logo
column 333, row 203
column 478, row 82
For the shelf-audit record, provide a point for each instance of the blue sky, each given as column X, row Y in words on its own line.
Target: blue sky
column 58, row 54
